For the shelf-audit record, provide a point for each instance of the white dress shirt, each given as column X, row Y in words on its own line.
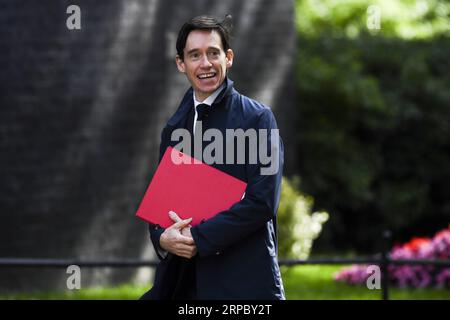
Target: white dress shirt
column 209, row 101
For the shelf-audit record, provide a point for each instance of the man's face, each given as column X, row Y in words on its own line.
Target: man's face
column 205, row 63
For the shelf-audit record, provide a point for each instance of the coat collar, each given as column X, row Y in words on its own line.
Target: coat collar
column 187, row 103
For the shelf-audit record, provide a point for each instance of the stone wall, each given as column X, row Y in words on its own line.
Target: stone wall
column 81, row 113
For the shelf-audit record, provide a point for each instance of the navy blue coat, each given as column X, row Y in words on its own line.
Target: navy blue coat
column 237, row 248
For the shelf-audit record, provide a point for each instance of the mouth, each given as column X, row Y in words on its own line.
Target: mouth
column 208, row 75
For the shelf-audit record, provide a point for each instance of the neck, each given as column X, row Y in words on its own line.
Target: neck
column 201, row 97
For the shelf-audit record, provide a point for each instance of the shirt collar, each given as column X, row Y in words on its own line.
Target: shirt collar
column 209, row 101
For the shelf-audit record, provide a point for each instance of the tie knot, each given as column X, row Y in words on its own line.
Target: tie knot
column 203, row 111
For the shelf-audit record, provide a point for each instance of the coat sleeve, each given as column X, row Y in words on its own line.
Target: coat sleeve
column 259, row 205
column 156, row 230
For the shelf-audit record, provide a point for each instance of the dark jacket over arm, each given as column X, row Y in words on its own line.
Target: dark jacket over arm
column 251, row 213
column 237, row 248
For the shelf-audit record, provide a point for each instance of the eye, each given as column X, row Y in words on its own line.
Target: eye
column 194, row 55
column 214, row 54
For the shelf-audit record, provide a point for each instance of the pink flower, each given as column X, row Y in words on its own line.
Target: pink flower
column 418, row 276
column 443, row 278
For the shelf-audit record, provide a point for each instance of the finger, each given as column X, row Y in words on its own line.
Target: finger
column 188, row 253
column 186, row 240
column 185, row 250
column 181, row 224
column 174, row 216
column 186, row 232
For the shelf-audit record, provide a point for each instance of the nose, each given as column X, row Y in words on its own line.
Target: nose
column 205, row 63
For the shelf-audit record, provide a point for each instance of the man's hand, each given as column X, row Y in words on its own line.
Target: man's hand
column 172, row 239
column 186, row 231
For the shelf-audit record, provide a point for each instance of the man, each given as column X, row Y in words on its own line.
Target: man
column 232, row 255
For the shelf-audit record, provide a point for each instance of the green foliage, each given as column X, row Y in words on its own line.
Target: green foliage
column 407, row 19
column 374, row 117
column 297, row 225
column 373, row 139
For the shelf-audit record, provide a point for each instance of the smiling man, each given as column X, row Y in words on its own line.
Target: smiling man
column 204, row 56
column 232, row 255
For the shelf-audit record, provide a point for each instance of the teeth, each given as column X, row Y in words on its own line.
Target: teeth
column 206, row 75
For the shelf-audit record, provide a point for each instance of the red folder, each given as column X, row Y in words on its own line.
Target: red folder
column 192, row 190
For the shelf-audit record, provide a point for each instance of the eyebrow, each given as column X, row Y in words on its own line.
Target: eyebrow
column 196, row 49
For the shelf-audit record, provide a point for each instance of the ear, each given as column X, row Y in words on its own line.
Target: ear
column 229, row 56
column 180, row 64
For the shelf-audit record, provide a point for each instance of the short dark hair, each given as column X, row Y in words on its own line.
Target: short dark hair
column 205, row 22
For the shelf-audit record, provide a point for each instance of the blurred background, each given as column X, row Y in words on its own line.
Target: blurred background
column 82, row 113
column 373, row 139
column 360, row 90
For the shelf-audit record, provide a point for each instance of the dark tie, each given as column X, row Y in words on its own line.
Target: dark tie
column 203, row 111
